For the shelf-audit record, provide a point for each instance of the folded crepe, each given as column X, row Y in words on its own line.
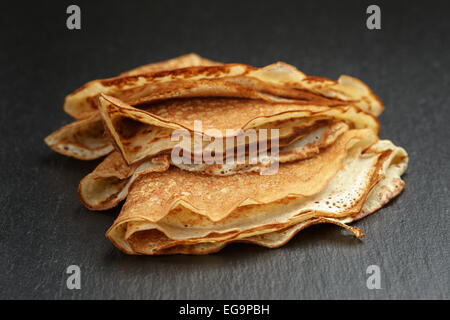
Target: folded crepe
column 275, row 83
column 193, row 187
column 140, row 135
column 109, row 183
column 277, row 80
column 183, row 212
column 85, row 139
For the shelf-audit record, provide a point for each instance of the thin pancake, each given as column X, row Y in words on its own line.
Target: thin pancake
column 385, row 190
column 108, row 184
column 139, row 134
column 279, row 83
column 187, row 228
column 85, row 139
column 278, row 79
column 65, row 140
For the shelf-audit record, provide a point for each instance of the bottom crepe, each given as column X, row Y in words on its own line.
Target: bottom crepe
column 191, row 213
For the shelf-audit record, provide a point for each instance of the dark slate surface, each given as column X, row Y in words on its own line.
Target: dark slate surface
column 44, row 228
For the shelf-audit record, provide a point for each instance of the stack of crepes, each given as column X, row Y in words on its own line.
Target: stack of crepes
column 332, row 167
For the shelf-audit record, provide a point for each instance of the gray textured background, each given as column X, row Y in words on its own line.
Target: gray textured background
column 44, row 228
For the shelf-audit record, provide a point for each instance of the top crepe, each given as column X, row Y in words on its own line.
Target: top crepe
column 278, row 79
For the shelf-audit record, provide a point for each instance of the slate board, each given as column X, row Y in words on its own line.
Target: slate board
column 44, row 228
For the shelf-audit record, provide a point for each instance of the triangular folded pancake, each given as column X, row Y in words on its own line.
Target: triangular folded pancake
column 181, row 212
column 139, row 134
column 275, row 83
column 278, row 79
column 307, row 152
column 108, row 184
column 386, row 189
column 81, row 138
column 85, row 139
